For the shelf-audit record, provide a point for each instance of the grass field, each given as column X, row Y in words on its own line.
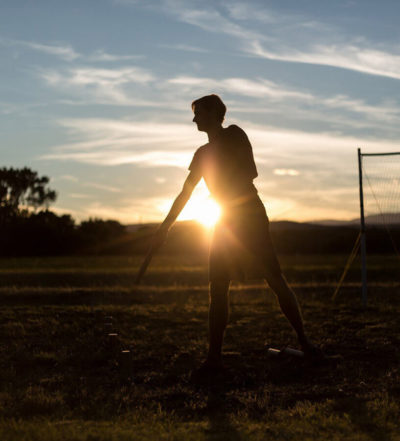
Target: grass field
column 62, row 379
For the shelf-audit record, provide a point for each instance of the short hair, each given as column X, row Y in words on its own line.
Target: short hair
column 212, row 103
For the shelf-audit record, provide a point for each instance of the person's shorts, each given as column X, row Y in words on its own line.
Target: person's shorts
column 241, row 247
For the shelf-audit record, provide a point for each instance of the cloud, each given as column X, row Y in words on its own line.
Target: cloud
column 346, row 56
column 79, row 196
column 104, row 187
column 101, row 55
column 279, row 43
column 209, row 19
column 286, row 172
column 65, row 52
column 120, row 157
column 115, row 142
column 101, row 84
column 184, row 47
column 258, row 88
column 69, row 178
column 102, row 77
column 322, row 165
column 244, row 12
column 127, row 210
column 387, row 112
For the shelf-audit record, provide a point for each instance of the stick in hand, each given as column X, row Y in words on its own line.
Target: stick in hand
column 158, row 240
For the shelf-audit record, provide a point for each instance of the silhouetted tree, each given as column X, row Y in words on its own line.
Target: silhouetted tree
column 21, row 189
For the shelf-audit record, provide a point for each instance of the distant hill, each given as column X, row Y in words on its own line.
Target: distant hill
column 374, row 219
column 288, row 237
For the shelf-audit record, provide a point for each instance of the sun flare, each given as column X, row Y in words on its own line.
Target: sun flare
column 203, row 210
column 200, row 207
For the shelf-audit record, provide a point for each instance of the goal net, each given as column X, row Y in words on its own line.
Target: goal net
column 379, row 181
column 381, row 188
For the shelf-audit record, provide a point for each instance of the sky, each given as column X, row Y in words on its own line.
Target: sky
column 97, row 95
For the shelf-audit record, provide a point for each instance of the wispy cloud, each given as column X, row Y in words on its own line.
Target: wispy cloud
column 69, row 178
column 355, row 54
column 114, row 142
column 347, row 56
column 64, row 51
column 104, row 187
column 321, row 164
column 286, row 172
column 258, row 88
column 119, row 157
column 185, row 47
column 387, row 112
column 209, row 19
column 101, row 55
column 105, row 85
column 94, row 76
column 127, row 210
column 79, row 196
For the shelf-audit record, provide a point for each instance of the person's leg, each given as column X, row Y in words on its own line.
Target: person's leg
column 286, row 297
column 218, row 319
column 289, row 306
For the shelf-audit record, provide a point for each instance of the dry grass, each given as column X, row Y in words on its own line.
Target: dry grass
column 61, row 379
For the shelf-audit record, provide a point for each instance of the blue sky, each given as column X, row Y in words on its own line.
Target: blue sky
column 96, row 95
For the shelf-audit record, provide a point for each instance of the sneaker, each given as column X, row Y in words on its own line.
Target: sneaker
column 313, row 352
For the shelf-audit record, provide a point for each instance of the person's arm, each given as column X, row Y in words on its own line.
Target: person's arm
column 180, row 201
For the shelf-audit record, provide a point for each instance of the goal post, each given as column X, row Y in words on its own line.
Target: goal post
column 388, row 210
column 362, row 232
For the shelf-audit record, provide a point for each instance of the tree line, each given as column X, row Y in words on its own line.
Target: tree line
column 29, row 228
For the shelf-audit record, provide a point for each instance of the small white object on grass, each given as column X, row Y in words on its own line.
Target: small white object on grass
column 285, row 352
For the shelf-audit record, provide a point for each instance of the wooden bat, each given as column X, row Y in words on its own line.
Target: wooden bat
column 145, row 264
column 153, row 248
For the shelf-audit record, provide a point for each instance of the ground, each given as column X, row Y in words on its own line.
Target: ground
column 63, row 377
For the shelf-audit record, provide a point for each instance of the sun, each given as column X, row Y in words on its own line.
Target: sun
column 200, row 207
column 203, row 210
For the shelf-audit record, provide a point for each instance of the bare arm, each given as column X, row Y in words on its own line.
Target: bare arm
column 181, row 200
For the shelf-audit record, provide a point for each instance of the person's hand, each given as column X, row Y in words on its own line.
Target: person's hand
column 159, row 238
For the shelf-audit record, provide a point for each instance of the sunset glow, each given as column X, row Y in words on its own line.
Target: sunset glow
column 200, row 207
column 110, row 122
column 206, row 211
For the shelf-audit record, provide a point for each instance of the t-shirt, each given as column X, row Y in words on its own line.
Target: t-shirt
column 227, row 166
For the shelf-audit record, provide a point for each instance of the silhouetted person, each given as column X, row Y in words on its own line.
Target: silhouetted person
column 241, row 247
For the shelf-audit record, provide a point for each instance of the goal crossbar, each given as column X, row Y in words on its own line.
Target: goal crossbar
column 380, row 154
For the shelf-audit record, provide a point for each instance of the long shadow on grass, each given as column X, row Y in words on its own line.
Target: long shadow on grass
column 220, row 426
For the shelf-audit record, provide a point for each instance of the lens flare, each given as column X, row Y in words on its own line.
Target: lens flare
column 200, row 207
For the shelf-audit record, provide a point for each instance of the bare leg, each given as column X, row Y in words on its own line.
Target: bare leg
column 290, row 307
column 217, row 319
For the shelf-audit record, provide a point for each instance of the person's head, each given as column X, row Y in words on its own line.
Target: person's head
column 209, row 111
